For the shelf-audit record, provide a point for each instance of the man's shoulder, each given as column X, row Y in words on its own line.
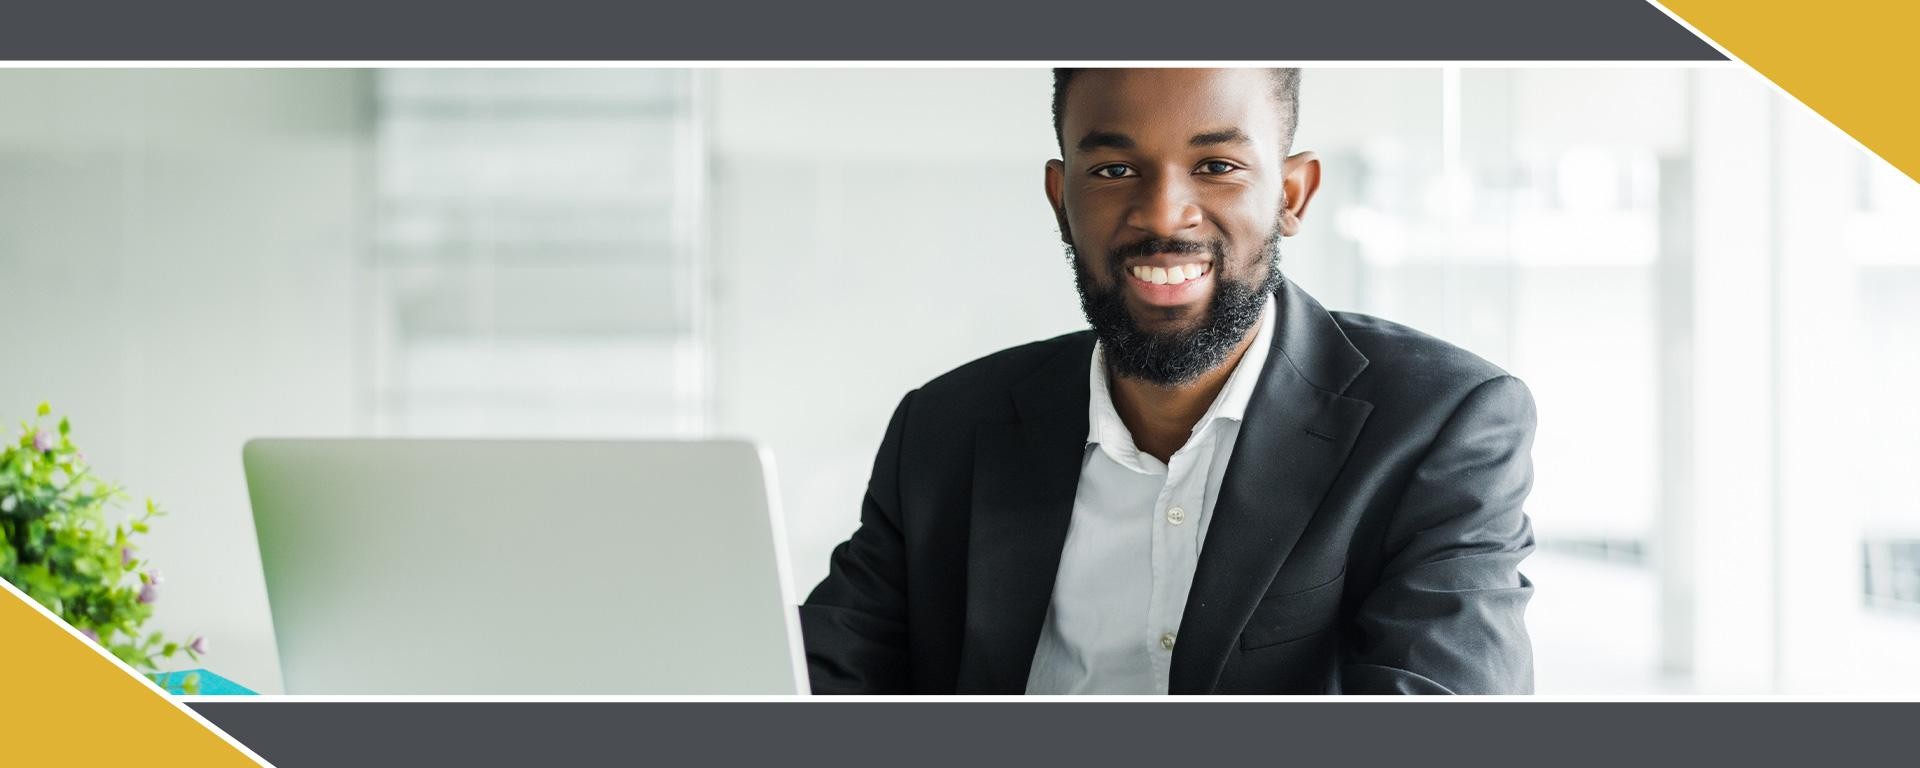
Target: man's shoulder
column 1402, row 360
column 984, row 385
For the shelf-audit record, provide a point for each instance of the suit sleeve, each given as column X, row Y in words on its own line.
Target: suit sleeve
column 854, row 624
column 1447, row 615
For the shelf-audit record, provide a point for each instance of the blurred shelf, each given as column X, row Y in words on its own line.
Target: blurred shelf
column 534, row 263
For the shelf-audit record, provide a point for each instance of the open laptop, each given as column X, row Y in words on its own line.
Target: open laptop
column 524, row 567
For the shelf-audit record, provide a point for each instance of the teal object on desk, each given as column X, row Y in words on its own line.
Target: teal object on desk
column 210, row 683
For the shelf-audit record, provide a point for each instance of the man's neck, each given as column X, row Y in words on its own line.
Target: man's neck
column 1161, row 418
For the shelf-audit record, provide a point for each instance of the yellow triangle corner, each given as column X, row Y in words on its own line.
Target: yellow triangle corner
column 65, row 702
column 1852, row 61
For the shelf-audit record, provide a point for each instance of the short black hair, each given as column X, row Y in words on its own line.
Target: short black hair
column 1286, row 92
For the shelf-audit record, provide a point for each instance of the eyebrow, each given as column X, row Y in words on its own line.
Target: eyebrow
column 1104, row 139
column 1224, row 136
column 1110, row 140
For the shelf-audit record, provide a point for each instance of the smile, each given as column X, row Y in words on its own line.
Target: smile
column 1175, row 275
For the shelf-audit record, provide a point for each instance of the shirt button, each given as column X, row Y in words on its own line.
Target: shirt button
column 1166, row 641
column 1176, row 515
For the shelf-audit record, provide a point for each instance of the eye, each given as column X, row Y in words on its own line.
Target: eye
column 1217, row 167
column 1113, row 171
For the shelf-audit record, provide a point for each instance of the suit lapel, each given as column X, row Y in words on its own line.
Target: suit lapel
column 1293, row 442
column 1025, row 478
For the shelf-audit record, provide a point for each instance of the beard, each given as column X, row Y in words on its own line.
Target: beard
column 1169, row 358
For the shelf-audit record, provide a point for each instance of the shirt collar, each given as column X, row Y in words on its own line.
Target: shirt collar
column 1105, row 428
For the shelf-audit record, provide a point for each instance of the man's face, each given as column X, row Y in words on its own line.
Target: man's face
column 1173, row 194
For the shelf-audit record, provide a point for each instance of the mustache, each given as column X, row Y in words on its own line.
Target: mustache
column 1151, row 246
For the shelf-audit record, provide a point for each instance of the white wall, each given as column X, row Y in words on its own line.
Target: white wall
column 871, row 230
column 176, row 256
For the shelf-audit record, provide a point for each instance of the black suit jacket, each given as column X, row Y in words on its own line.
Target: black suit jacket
column 1365, row 539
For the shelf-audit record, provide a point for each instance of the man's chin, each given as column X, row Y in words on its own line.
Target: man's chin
column 1168, row 321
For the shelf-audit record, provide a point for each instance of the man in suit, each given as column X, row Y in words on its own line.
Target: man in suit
column 1220, row 488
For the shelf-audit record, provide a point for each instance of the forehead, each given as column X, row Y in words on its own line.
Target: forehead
column 1155, row 105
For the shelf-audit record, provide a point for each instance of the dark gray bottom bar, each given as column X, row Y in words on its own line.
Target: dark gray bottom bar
column 972, row 734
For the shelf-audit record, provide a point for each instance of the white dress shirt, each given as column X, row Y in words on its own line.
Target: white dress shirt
column 1134, row 540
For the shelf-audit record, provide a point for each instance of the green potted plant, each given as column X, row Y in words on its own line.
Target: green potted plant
column 57, row 546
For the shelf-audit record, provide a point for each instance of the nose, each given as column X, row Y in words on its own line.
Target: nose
column 1164, row 207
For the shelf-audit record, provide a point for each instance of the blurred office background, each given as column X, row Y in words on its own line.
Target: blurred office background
column 1714, row 295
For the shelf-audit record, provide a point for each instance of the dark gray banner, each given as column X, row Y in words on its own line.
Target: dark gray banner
column 1158, row 734
column 766, row 30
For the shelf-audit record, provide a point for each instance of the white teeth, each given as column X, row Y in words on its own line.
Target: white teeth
column 1169, row 276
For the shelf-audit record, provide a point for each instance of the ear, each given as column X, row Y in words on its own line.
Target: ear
column 1056, row 178
column 1300, row 178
